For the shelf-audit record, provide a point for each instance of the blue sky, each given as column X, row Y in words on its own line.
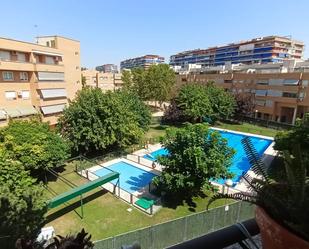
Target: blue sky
column 110, row 31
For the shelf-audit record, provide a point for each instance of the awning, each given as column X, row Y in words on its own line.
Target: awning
column 46, row 53
column 27, row 110
column 20, row 111
column 53, row 76
column 2, row 114
column 13, row 112
column 52, row 109
column 53, row 93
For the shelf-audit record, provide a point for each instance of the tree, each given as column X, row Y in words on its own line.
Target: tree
column 141, row 111
column 245, row 105
column 22, row 202
column 98, row 121
column 196, row 155
column 193, row 101
column 34, row 144
column 155, row 83
column 222, row 102
column 84, row 81
column 160, row 80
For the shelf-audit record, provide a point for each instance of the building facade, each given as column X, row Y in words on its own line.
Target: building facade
column 38, row 78
column 259, row 50
column 107, row 68
column 281, row 97
column 105, row 81
column 143, row 62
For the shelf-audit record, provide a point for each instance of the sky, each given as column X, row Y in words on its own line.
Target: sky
column 111, row 31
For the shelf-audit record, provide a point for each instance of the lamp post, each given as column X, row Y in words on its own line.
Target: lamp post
column 228, row 183
column 256, row 113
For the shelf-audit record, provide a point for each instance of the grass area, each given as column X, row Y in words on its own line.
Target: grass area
column 105, row 215
column 249, row 128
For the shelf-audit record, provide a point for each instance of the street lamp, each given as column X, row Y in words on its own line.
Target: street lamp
column 228, row 183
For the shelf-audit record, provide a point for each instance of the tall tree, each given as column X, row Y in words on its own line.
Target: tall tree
column 196, row 155
column 222, row 102
column 160, row 80
column 245, row 105
column 193, row 101
column 34, row 144
column 96, row 121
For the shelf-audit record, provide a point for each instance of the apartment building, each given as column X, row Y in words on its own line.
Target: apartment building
column 144, row 62
column 107, row 68
column 38, row 78
column 105, row 81
column 281, row 97
column 270, row 49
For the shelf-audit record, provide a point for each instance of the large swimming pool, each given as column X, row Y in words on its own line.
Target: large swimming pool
column 240, row 164
column 131, row 178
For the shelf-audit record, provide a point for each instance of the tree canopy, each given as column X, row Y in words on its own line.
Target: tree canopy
column 34, row 144
column 196, row 155
column 155, row 83
column 96, row 121
column 195, row 102
column 22, row 203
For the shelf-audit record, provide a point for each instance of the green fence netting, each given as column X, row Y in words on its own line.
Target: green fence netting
column 182, row 229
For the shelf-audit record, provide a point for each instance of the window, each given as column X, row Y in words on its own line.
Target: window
column 7, row 76
column 23, row 76
column 10, row 95
column 21, row 56
column 76, row 53
column 305, row 82
column 47, row 43
column 49, row 60
column 289, row 95
column 5, row 55
column 52, row 43
column 25, row 94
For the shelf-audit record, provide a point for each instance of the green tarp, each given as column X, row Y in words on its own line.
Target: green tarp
column 69, row 195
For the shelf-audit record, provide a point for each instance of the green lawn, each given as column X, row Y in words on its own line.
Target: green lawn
column 249, row 128
column 105, row 215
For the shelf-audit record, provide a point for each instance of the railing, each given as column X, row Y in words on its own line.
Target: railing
column 183, row 229
column 236, row 234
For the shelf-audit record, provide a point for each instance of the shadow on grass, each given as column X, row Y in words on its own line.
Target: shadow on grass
column 71, row 207
column 174, row 201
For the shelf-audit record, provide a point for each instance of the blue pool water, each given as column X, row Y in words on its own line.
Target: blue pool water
column 131, row 177
column 240, row 164
column 154, row 155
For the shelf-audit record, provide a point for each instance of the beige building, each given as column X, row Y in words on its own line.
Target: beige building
column 105, row 81
column 279, row 97
column 38, row 77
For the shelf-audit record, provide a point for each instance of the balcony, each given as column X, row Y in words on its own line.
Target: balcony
column 16, row 65
column 49, row 67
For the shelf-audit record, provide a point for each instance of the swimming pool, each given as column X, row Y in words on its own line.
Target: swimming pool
column 240, row 164
column 154, row 155
column 131, row 178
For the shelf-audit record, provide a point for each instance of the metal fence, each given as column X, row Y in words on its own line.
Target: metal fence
column 182, row 229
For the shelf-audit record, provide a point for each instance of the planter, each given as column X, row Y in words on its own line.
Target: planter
column 274, row 236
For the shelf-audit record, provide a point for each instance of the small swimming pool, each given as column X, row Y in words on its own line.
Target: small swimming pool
column 240, row 164
column 131, row 178
column 155, row 154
